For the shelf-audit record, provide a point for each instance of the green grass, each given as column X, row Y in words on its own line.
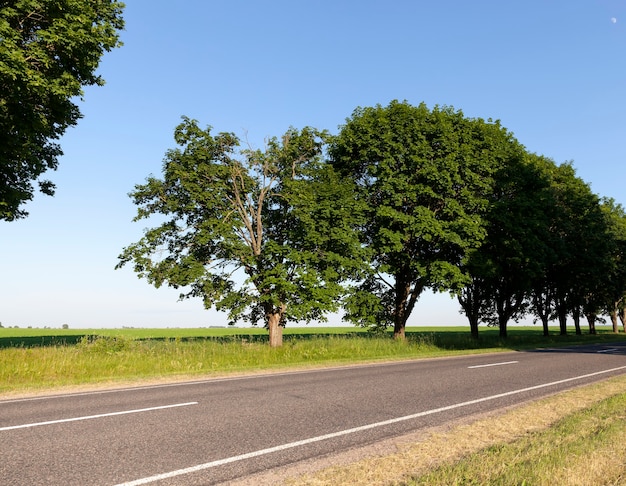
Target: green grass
column 587, row 447
column 34, row 359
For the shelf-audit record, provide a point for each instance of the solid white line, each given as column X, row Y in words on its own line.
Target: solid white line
column 607, row 350
column 110, row 414
column 291, row 445
column 493, row 364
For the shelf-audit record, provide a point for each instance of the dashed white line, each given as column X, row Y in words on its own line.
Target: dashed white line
column 89, row 417
column 291, row 445
column 493, row 364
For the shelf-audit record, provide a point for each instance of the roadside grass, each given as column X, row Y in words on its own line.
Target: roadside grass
column 574, row 438
column 585, row 448
column 107, row 359
column 36, row 359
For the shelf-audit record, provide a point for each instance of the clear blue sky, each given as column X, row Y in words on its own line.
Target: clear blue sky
column 553, row 72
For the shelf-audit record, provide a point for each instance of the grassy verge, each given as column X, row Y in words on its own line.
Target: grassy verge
column 32, row 359
column 573, row 438
column 584, row 448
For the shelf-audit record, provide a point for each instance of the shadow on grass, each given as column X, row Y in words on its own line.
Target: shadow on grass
column 519, row 340
column 39, row 341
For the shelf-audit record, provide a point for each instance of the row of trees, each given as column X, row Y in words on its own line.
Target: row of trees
column 403, row 199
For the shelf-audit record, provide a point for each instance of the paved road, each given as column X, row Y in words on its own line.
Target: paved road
column 213, row 431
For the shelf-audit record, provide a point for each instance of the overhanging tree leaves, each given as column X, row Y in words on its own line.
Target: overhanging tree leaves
column 49, row 50
column 425, row 176
column 260, row 234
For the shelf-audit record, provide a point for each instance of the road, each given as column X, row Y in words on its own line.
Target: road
column 214, row 431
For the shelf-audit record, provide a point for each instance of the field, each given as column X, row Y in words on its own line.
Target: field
column 36, row 359
column 588, row 425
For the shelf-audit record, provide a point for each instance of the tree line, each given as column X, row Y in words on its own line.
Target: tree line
column 402, row 199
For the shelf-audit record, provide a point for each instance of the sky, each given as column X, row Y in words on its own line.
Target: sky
column 553, row 72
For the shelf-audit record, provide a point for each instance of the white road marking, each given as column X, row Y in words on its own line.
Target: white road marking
column 610, row 350
column 89, row 417
column 291, row 445
column 493, row 364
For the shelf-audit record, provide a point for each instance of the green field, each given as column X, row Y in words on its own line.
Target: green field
column 32, row 335
column 36, row 359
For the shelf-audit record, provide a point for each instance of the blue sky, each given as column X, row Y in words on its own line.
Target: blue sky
column 553, row 72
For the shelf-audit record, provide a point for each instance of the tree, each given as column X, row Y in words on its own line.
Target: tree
column 503, row 268
column 259, row 233
column 425, row 176
column 581, row 235
column 49, row 50
column 578, row 254
column 611, row 296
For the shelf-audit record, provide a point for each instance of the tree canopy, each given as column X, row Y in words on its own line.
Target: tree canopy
column 503, row 268
column 426, row 176
column 49, row 50
column 404, row 198
column 262, row 234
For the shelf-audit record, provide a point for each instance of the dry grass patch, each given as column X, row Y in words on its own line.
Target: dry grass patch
column 402, row 459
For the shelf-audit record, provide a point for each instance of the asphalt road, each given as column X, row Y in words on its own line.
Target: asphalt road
column 214, row 431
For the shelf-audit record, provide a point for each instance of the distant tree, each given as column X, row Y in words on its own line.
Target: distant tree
column 425, row 176
column 259, row 233
column 49, row 50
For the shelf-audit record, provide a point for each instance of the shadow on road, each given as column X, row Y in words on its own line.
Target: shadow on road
column 618, row 348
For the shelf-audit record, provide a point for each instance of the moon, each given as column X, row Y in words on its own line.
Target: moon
column 613, row 20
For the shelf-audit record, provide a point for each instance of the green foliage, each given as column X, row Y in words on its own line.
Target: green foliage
column 610, row 296
column 426, row 176
column 579, row 243
column 49, row 50
column 106, row 344
column 261, row 234
column 509, row 260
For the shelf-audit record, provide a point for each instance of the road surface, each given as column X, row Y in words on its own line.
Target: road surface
column 218, row 430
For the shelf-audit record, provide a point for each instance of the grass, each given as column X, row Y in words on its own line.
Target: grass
column 567, row 453
column 107, row 359
column 584, row 448
column 35, row 359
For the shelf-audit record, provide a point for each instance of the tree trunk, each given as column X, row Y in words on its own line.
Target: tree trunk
column 541, row 303
column 576, row 317
column 275, row 329
column 591, row 319
column 504, row 310
column 398, row 329
column 403, row 291
column 622, row 317
column 613, row 315
column 562, row 314
column 502, row 323
column 470, row 304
